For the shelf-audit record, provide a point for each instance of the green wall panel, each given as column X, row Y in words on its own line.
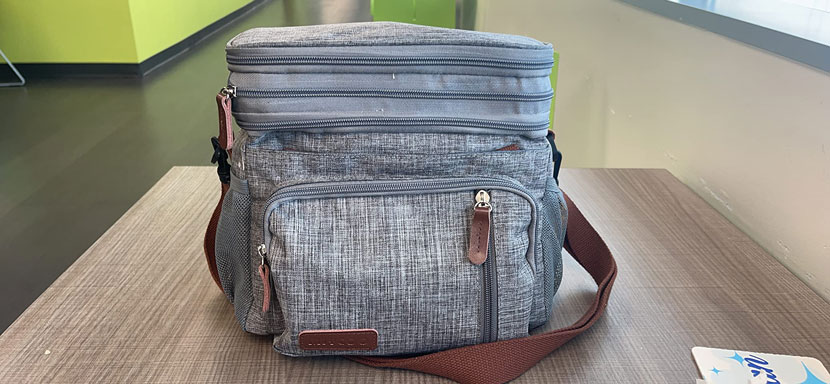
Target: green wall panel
column 102, row 31
column 437, row 13
column 67, row 31
column 158, row 24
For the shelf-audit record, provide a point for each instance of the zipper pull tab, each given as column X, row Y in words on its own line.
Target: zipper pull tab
column 480, row 229
column 223, row 104
column 265, row 276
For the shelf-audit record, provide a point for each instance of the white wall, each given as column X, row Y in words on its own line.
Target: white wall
column 747, row 130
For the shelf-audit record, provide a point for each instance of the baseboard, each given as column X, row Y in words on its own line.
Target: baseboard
column 60, row 70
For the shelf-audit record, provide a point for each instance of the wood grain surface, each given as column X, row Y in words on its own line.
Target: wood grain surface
column 139, row 305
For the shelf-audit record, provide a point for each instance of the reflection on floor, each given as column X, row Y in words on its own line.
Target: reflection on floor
column 76, row 154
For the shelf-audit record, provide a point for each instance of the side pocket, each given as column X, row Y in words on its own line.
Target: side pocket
column 233, row 247
column 551, row 237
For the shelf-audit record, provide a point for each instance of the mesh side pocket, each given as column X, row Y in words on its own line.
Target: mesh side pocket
column 233, row 247
column 551, row 235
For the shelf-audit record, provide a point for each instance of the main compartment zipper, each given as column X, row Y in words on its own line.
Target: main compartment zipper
column 396, row 61
column 490, row 331
column 393, row 93
column 401, row 187
column 394, row 121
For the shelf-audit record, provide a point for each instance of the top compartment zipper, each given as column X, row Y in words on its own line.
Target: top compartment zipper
column 391, row 61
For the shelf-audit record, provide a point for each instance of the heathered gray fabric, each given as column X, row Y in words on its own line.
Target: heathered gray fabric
column 240, row 146
column 371, row 262
column 396, row 263
column 375, row 33
column 511, row 218
column 386, row 144
column 279, row 168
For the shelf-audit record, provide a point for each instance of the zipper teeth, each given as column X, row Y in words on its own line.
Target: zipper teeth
column 380, row 187
column 391, row 93
column 490, row 299
column 384, row 186
column 494, row 297
column 394, row 121
column 409, row 61
column 486, row 277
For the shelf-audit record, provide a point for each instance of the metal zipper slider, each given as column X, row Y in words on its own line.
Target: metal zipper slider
column 265, row 276
column 480, row 229
column 483, row 200
column 262, row 250
column 228, row 91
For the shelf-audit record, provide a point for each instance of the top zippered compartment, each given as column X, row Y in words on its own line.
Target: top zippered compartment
column 389, row 77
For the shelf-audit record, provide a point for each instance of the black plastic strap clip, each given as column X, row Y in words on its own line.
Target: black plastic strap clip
column 557, row 156
column 220, row 158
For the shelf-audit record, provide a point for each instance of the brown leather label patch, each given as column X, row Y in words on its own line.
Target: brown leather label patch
column 511, row 147
column 339, row 340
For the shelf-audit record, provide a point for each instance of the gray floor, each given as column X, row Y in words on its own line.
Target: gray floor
column 76, row 154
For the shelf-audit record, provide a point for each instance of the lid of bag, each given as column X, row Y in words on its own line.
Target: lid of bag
column 376, row 33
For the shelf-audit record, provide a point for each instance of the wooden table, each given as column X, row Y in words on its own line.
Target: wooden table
column 139, row 305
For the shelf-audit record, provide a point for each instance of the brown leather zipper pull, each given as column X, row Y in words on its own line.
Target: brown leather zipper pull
column 223, row 104
column 265, row 276
column 480, row 229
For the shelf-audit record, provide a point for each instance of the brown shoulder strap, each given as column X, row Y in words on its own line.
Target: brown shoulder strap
column 505, row 360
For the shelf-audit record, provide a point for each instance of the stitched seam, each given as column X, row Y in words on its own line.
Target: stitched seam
column 478, row 239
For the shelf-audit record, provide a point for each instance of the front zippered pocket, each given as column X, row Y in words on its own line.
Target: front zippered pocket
column 288, row 252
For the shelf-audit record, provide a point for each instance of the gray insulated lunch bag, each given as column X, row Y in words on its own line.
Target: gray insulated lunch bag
column 392, row 196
